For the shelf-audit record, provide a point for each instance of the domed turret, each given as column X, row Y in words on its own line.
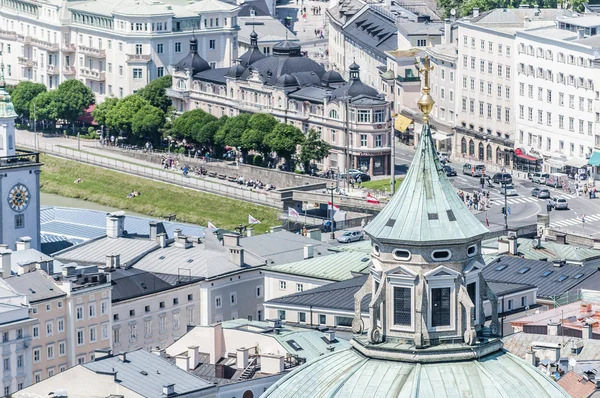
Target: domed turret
column 287, row 80
column 287, row 48
column 236, row 71
column 332, row 77
column 354, row 87
column 193, row 60
column 253, row 54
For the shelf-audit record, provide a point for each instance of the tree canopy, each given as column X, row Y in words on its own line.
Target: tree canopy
column 75, row 97
column 120, row 116
column 147, row 123
column 23, row 94
column 99, row 113
column 284, row 140
column 155, row 92
column 190, row 126
column 313, row 148
column 230, row 134
column 47, row 106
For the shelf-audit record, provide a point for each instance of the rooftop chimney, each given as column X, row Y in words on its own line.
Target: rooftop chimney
column 153, row 230
column 330, row 336
column 99, row 354
column 182, row 242
column 447, row 32
column 587, row 332
column 5, row 259
column 249, row 232
column 512, row 245
column 158, row 352
column 309, row 251
column 162, row 240
column 585, row 308
column 168, row 389
column 182, row 362
column 236, row 256
column 271, row 364
column 503, row 245
column 580, row 33
column 554, row 328
column 557, row 263
column 242, row 358
column 123, row 357
column 194, row 356
column 561, row 238
column 176, row 233
column 231, row 240
column 530, row 357
column 113, row 261
column 475, row 12
column 23, row 243
column 115, row 224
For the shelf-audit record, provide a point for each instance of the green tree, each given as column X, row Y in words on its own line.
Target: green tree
column 120, row 116
column 262, row 122
column 155, row 92
column 75, row 97
column 284, row 140
column 47, row 106
column 23, row 94
column 190, row 123
column 147, row 123
column 313, row 148
column 99, row 113
column 205, row 134
column 254, row 140
column 230, row 133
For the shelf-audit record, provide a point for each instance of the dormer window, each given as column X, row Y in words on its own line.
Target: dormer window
column 440, row 307
column 441, row 255
column 472, row 250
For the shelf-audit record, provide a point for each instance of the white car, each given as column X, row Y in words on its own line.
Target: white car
column 350, row 236
column 510, row 190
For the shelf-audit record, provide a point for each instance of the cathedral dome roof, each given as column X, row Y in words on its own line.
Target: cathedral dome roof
column 193, row 60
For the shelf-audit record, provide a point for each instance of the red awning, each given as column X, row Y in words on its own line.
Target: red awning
column 87, row 117
column 526, row 157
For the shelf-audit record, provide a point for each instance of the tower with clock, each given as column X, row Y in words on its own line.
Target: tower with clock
column 19, row 180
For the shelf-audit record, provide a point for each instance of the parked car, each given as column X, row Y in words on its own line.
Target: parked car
column 450, row 172
column 443, row 157
column 509, row 189
column 539, row 178
column 350, row 236
column 502, row 178
column 543, row 194
column 560, row 203
column 363, row 176
column 474, row 170
column 535, row 192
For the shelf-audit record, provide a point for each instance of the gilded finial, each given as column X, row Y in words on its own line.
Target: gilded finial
column 426, row 102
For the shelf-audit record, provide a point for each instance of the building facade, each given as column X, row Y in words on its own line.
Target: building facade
column 115, row 48
column 351, row 116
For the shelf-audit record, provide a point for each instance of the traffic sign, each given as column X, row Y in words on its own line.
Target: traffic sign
column 508, row 211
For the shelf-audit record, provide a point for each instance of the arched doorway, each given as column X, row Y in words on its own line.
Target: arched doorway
column 471, row 148
column 498, row 156
column 463, row 146
column 488, row 155
column 480, row 151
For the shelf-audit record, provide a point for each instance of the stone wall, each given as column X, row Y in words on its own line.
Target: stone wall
column 280, row 179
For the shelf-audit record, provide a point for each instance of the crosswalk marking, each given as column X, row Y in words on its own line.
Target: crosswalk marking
column 575, row 220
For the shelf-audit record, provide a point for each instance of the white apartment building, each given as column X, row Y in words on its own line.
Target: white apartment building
column 116, row 48
column 557, row 88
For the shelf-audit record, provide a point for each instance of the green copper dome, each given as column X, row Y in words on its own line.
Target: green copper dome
column 6, row 107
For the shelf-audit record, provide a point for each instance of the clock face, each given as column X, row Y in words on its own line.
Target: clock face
column 18, row 197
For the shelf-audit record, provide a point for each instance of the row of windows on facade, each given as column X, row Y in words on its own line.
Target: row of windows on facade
column 37, row 376
column 560, row 57
column 502, row 50
column 487, row 150
column 321, row 318
column 561, row 97
column 442, row 73
column 502, row 70
column 80, row 341
column 500, row 89
column 483, row 107
column 546, row 74
column 535, row 140
column 561, row 120
column 133, row 329
column 148, row 308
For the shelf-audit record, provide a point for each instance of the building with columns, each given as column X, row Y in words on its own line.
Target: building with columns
column 115, row 48
column 428, row 335
column 351, row 115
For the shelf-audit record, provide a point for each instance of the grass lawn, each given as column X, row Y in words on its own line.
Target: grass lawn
column 381, row 185
column 157, row 199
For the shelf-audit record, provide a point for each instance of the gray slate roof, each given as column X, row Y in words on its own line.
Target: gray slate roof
column 213, row 75
column 94, row 252
column 20, row 258
column 334, row 296
column 283, row 247
column 519, row 343
column 426, row 208
column 548, row 286
column 503, row 288
column 349, row 374
column 131, row 283
column 311, row 93
column 159, row 372
column 511, row 16
column 36, row 286
column 373, row 31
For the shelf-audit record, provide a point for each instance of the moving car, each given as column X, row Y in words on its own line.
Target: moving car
column 510, row 190
column 540, row 193
column 539, row 178
column 350, row 236
column 363, row 177
column 560, row 203
column 474, row 170
column 502, row 178
column 450, row 172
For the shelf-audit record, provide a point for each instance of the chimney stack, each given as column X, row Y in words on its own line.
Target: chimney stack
column 530, row 357
column 271, row 364
column 554, row 328
column 168, row 389
column 242, row 358
column 249, row 232
column 309, row 251
column 512, row 245
column 6, row 267
column 23, row 243
column 182, row 362
column 447, row 32
column 113, row 261
column 236, row 256
column 176, row 233
column 162, row 240
column 153, row 230
column 587, row 332
column 194, row 357
column 115, row 224
column 231, row 240
column 475, row 12
column 182, row 242
column 330, row 336
column 580, row 33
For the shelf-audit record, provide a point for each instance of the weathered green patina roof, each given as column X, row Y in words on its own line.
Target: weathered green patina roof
column 426, row 208
column 349, row 374
column 335, row 267
column 549, row 250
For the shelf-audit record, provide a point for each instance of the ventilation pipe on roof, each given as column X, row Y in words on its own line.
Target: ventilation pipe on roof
column 23, row 243
column 5, row 259
column 309, row 251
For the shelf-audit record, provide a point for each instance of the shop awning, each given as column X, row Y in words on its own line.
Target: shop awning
column 402, row 122
column 526, row 157
column 594, row 159
column 440, row 136
column 556, row 162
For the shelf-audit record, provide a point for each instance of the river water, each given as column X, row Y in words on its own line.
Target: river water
column 50, row 199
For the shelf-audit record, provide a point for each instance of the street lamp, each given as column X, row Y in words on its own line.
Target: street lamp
column 331, row 189
column 393, row 160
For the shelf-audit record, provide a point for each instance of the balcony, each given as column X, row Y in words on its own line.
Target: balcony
column 179, row 94
column 27, row 62
column 7, row 34
column 68, row 70
column 69, row 48
column 52, row 70
column 92, row 52
column 138, row 58
column 403, row 79
column 24, row 39
column 92, row 74
column 45, row 44
column 21, row 157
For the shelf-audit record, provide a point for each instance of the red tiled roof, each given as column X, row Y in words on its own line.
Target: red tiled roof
column 87, row 117
column 576, row 386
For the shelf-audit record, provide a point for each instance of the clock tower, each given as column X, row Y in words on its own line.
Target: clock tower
column 19, row 180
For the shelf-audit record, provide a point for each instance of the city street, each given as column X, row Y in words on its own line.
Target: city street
column 523, row 208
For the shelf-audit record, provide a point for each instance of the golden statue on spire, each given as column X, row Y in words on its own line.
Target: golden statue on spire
column 426, row 101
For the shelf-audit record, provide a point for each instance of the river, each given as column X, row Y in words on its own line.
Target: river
column 50, row 199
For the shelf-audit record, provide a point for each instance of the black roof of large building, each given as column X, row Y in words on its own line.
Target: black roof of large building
column 550, row 279
column 254, row 53
column 193, row 60
column 130, row 283
column 354, row 87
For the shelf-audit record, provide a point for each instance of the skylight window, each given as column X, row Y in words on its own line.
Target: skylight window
column 545, row 274
column 523, row 270
column 294, row 345
column 578, row 276
column 561, row 278
column 500, row 267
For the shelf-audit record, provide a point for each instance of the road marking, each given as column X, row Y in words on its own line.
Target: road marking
column 574, row 221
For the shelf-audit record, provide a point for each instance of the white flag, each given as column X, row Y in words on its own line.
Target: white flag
column 252, row 220
column 211, row 226
column 292, row 212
